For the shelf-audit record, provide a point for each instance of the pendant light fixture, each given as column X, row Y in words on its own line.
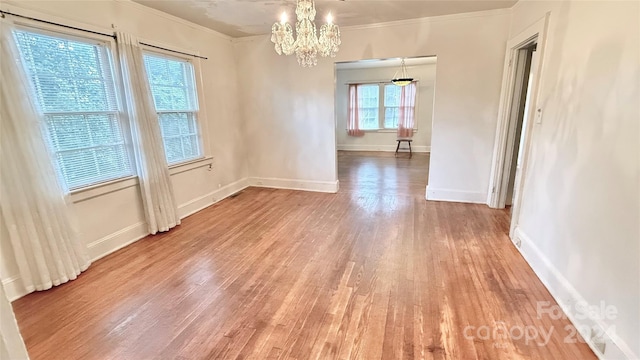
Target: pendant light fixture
column 403, row 79
column 307, row 44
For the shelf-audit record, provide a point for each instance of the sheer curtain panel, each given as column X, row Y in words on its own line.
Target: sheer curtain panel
column 407, row 116
column 160, row 207
column 353, row 120
column 35, row 210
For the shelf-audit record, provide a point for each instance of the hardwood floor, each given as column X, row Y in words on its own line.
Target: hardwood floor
column 383, row 173
column 373, row 272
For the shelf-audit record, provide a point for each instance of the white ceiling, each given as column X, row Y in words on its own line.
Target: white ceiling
column 240, row 18
column 378, row 63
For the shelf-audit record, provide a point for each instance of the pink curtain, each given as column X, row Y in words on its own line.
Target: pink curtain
column 353, row 121
column 407, row 116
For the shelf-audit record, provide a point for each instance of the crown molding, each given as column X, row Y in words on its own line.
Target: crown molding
column 174, row 18
column 423, row 20
column 17, row 7
column 249, row 38
column 429, row 19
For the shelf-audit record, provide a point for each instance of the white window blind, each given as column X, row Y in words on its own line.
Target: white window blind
column 173, row 87
column 75, row 90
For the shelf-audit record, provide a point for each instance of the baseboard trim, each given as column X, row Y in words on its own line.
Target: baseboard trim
column 13, row 288
column 384, row 148
column 117, row 240
column 132, row 233
column 568, row 297
column 292, row 184
column 193, row 206
column 455, row 196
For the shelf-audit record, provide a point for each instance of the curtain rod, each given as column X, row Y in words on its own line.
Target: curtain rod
column 174, row 51
column 367, row 82
column 3, row 13
column 53, row 23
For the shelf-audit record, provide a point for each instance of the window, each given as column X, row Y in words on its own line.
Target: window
column 379, row 106
column 368, row 106
column 174, row 93
column 391, row 106
column 73, row 84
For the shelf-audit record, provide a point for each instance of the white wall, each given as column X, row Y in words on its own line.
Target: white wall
column 289, row 115
column 111, row 220
column 580, row 214
column 385, row 140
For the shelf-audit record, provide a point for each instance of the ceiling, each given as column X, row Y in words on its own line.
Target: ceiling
column 378, row 63
column 239, row 18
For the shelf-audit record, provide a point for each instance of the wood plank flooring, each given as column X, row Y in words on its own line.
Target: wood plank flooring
column 373, row 272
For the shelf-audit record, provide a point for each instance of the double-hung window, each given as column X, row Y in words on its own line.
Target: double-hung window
column 368, row 106
column 379, row 106
column 173, row 87
column 73, row 84
column 391, row 106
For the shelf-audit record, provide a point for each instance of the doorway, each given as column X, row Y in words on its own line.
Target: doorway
column 518, row 114
column 373, row 155
column 525, row 72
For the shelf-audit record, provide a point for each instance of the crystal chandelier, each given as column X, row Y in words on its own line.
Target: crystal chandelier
column 307, row 45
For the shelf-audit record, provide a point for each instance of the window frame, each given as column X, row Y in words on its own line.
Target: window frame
column 199, row 114
column 109, row 43
column 377, row 108
column 381, row 107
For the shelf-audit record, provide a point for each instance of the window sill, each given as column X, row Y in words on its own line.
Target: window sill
column 96, row 190
column 104, row 188
column 385, row 131
column 190, row 165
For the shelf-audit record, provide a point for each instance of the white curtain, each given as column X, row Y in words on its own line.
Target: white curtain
column 11, row 343
column 158, row 198
column 35, row 210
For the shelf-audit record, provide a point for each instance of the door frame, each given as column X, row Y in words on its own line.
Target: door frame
column 536, row 33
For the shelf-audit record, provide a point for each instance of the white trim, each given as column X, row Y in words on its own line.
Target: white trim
column 96, row 190
column 174, row 18
column 423, row 20
column 193, row 206
column 418, row 21
column 13, row 288
column 190, row 165
column 429, row 19
column 18, row 10
column 451, row 195
column 385, row 148
column 294, row 184
column 100, row 189
column 117, row 240
column 537, row 31
column 134, row 232
column 567, row 297
column 383, row 131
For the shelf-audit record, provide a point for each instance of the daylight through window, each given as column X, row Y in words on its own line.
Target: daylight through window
column 74, row 86
column 174, row 93
column 378, row 106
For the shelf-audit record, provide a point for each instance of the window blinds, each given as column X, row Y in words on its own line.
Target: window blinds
column 74, row 86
